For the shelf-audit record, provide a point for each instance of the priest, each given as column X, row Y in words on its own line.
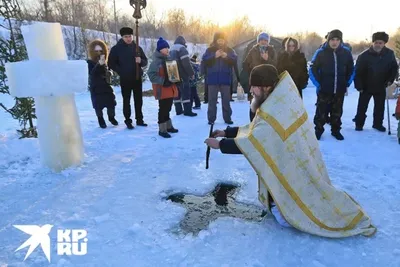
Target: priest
column 281, row 146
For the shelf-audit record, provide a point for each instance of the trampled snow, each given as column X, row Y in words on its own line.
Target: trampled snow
column 117, row 195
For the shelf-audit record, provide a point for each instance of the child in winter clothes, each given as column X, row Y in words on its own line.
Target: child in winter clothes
column 193, row 83
column 101, row 92
column 163, row 89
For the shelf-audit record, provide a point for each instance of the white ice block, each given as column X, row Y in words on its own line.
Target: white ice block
column 52, row 80
column 47, row 77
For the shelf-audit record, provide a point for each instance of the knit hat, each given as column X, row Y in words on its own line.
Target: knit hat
column 264, row 75
column 383, row 36
column 161, row 44
column 126, row 31
column 263, row 36
column 219, row 35
column 335, row 34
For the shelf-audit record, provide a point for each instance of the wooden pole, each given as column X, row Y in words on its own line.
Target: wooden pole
column 137, row 50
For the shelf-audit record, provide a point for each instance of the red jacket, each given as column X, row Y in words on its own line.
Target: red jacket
column 398, row 108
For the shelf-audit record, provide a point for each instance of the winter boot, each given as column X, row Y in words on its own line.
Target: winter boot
column 318, row 134
column 337, row 135
column 188, row 110
column 141, row 123
column 359, row 128
column 170, row 127
column 129, row 124
column 380, row 128
column 102, row 122
column 163, row 130
column 113, row 121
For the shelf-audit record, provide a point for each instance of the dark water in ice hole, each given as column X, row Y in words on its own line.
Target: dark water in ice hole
column 201, row 210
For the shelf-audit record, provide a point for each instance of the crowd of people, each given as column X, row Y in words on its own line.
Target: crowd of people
column 332, row 71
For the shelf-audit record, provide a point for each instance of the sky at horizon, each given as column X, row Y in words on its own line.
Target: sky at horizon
column 356, row 21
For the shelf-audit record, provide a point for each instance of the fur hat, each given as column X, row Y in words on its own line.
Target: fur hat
column 126, row 31
column 264, row 75
column 335, row 34
column 263, row 36
column 161, row 44
column 383, row 36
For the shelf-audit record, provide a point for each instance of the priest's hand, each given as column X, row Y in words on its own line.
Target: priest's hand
column 218, row 133
column 212, row 142
column 138, row 60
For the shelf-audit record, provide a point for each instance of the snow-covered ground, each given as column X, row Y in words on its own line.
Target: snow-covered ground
column 117, row 196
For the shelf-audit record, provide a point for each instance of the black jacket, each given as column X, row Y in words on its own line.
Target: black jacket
column 332, row 71
column 122, row 60
column 101, row 92
column 374, row 71
column 228, row 145
column 296, row 65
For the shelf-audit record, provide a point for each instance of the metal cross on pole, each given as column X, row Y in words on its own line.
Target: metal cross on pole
column 138, row 6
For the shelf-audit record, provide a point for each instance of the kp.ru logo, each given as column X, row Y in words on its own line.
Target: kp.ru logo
column 69, row 242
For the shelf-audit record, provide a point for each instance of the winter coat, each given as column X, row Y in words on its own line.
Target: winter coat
column 296, row 65
column 332, row 71
column 219, row 70
column 157, row 73
column 122, row 61
column 374, row 71
column 179, row 53
column 253, row 59
column 101, row 92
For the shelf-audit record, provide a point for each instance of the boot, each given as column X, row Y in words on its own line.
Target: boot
column 129, row 124
column 102, row 122
column 163, row 130
column 318, row 134
column 113, row 121
column 188, row 110
column 141, row 123
column 170, row 127
column 380, row 128
column 338, row 135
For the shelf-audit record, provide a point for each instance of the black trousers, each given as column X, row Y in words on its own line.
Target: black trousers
column 164, row 108
column 110, row 113
column 127, row 87
column 379, row 108
column 324, row 101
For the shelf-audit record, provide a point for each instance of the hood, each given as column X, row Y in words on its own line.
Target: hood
column 180, row 40
column 92, row 54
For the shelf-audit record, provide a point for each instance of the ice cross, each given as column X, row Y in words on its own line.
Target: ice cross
column 201, row 210
column 51, row 79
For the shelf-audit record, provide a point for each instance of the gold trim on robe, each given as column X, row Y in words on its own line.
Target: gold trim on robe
column 281, row 146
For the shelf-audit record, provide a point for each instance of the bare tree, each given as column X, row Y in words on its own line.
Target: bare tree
column 176, row 22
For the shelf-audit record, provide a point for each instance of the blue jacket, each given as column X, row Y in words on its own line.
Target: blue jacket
column 332, row 71
column 219, row 70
